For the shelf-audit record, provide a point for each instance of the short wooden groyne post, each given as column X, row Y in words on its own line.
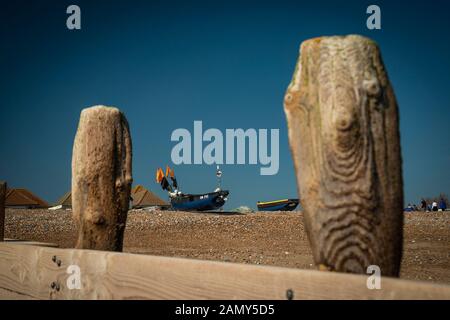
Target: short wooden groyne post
column 2, row 209
column 101, row 178
column 343, row 131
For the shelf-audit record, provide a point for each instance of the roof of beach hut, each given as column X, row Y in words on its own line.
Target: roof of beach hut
column 65, row 200
column 145, row 198
column 21, row 197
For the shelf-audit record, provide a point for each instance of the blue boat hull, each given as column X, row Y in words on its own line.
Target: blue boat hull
column 199, row 202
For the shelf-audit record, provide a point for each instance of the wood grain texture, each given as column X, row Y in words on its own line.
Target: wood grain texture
column 101, row 178
column 30, row 271
column 11, row 295
column 31, row 243
column 2, row 209
column 342, row 121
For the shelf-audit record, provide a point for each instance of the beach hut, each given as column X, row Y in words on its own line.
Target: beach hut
column 23, row 198
column 143, row 198
column 65, row 201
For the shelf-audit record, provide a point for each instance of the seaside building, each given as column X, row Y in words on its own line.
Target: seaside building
column 23, row 198
column 143, row 198
column 65, row 202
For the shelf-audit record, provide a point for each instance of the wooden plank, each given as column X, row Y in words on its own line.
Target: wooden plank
column 31, row 243
column 344, row 136
column 111, row 275
column 11, row 295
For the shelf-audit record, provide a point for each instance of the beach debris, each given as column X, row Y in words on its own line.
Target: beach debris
column 58, row 207
column 101, row 178
column 343, row 132
column 243, row 209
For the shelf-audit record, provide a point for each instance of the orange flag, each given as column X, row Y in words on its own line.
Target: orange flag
column 159, row 175
column 169, row 172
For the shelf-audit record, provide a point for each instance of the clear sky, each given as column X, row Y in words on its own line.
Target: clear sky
column 227, row 63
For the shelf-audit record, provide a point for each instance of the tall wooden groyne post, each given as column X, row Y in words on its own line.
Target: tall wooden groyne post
column 342, row 120
column 2, row 209
column 101, row 178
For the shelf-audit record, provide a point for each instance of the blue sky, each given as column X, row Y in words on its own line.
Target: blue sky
column 227, row 63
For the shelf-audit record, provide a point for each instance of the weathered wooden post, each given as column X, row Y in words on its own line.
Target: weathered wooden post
column 2, row 209
column 101, row 178
column 343, row 132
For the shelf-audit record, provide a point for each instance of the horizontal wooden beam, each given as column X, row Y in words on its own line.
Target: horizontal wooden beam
column 41, row 273
column 31, row 243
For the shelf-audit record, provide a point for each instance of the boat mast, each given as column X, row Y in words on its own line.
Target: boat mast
column 219, row 177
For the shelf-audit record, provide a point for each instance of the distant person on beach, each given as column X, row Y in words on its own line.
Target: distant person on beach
column 434, row 206
column 423, row 205
column 442, row 204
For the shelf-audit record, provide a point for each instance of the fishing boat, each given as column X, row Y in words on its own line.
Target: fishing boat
column 191, row 202
column 199, row 202
column 278, row 205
